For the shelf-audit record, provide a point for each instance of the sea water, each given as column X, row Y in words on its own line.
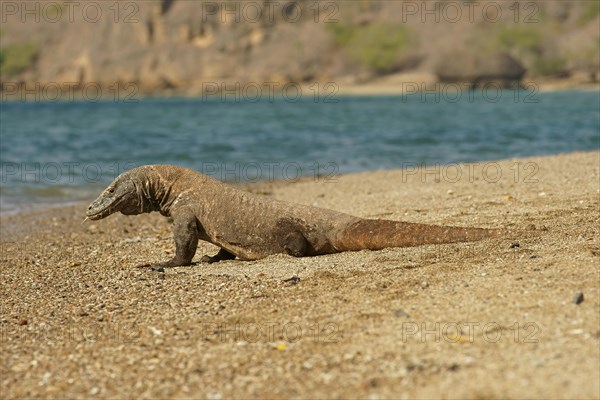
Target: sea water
column 62, row 152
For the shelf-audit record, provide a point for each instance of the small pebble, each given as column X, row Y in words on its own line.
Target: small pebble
column 515, row 245
column 294, row 280
column 453, row 367
column 22, row 322
column 400, row 313
column 578, row 299
column 155, row 331
column 424, row 285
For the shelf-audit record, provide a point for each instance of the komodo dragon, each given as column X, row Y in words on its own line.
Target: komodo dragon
column 251, row 227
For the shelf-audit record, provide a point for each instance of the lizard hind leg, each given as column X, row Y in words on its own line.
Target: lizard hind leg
column 291, row 239
column 295, row 244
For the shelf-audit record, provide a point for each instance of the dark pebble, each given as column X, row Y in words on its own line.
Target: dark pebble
column 400, row 313
column 22, row 322
column 515, row 245
column 453, row 367
column 578, row 299
column 294, row 280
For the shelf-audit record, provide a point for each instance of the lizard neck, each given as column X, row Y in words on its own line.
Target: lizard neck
column 154, row 194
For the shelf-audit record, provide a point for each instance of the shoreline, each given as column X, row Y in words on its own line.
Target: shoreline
column 390, row 85
column 262, row 186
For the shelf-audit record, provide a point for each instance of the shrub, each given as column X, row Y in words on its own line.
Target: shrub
column 532, row 47
column 524, row 39
column 378, row 46
column 17, row 57
column 590, row 12
column 546, row 66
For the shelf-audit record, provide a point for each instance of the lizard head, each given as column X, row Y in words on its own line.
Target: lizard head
column 121, row 195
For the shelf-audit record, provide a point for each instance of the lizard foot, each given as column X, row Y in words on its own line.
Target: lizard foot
column 220, row 256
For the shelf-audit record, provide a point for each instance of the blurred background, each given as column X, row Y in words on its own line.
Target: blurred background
column 179, row 44
column 286, row 88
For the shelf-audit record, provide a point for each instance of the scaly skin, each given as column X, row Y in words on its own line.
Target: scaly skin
column 251, row 227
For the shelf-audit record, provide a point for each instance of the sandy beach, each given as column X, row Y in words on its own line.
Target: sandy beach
column 510, row 317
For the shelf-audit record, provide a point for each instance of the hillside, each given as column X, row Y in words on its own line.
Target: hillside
column 191, row 46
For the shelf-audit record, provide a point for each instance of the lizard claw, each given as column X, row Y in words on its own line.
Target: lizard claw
column 151, row 267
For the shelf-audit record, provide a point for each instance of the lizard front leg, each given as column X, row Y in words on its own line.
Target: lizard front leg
column 185, row 230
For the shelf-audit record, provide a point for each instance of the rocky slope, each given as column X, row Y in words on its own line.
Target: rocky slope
column 193, row 45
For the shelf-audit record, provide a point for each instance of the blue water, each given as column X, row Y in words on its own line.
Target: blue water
column 66, row 151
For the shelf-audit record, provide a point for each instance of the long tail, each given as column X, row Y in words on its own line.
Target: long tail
column 377, row 234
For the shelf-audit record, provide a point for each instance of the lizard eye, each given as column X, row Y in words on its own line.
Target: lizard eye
column 111, row 190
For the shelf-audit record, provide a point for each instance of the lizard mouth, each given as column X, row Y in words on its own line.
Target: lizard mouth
column 98, row 215
column 99, row 211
